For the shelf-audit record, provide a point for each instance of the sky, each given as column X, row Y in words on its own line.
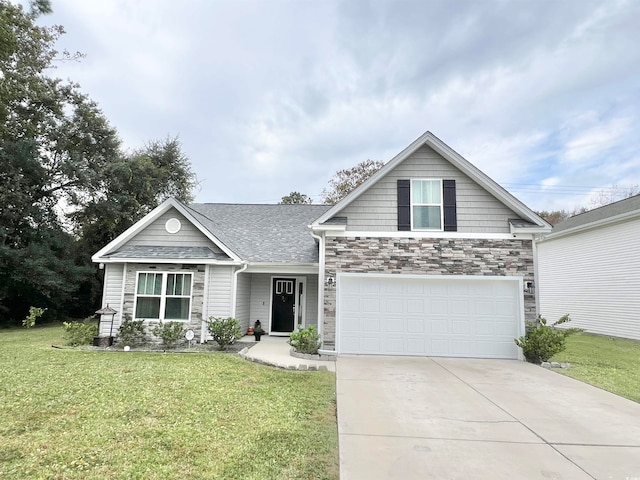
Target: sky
column 269, row 97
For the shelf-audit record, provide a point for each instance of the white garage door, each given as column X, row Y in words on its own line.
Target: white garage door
column 456, row 316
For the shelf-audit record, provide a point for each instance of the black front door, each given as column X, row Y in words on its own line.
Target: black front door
column 284, row 300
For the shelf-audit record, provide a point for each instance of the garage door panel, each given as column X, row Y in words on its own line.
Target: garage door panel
column 416, row 305
column 396, row 325
column 439, row 316
column 394, row 305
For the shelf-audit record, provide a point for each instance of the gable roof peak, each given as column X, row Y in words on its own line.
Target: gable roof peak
column 453, row 157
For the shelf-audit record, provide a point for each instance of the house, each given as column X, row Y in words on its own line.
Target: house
column 429, row 256
column 589, row 267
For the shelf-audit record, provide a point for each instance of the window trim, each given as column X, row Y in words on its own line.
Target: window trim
column 163, row 296
column 440, row 205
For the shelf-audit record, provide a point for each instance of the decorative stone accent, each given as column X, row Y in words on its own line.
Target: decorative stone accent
column 555, row 365
column 311, row 356
column 428, row 256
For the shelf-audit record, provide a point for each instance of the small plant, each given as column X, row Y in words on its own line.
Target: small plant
column 542, row 341
column 80, row 333
column 170, row 333
column 34, row 314
column 306, row 340
column 224, row 330
column 131, row 332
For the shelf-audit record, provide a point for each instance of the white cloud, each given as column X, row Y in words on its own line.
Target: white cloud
column 277, row 96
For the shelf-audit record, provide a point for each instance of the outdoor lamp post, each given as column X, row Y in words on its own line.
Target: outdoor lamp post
column 105, row 341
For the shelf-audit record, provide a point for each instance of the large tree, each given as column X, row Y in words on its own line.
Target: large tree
column 347, row 180
column 59, row 155
column 296, row 198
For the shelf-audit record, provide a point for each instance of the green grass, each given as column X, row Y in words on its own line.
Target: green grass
column 81, row 414
column 612, row 364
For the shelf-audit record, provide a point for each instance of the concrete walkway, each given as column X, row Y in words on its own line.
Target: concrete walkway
column 275, row 351
column 451, row 418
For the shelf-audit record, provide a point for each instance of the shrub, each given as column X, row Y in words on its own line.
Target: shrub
column 306, row 340
column 131, row 332
column 80, row 333
column 224, row 330
column 542, row 341
column 170, row 333
column 34, row 314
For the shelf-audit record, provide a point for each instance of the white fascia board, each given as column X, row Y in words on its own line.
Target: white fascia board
column 328, row 228
column 592, row 225
column 190, row 261
column 431, row 234
column 283, row 268
column 151, row 217
column 531, row 230
column 455, row 159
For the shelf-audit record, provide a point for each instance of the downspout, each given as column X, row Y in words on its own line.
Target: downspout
column 234, row 292
column 321, row 261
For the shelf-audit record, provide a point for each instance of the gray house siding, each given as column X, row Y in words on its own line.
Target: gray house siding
column 156, row 235
column 477, row 210
column 243, row 303
column 594, row 276
column 260, row 299
column 112, row 295
column 428, row 257
column 219, row 291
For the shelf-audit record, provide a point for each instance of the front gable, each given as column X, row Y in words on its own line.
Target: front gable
column 476, row 210
column 470, row 201
column 169, row 233
column 172, row 229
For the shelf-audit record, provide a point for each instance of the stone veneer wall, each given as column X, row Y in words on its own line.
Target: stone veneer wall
column 429, row 256
column 197, row 292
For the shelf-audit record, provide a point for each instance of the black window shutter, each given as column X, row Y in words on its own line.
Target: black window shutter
column 404, row 205
column 449, row 205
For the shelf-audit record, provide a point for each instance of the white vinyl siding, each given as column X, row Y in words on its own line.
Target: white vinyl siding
column 593, row 276
column 219, row 291
column 260, row 298
column 156, row 235
column 477, row 210
column 112, row 296
column 243, row 307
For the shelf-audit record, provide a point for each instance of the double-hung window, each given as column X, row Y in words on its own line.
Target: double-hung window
column 163, row 296
column 426, row 205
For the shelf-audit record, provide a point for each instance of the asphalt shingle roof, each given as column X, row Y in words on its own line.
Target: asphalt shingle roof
column 144, row 251
column 612, row 210
column 263, row 233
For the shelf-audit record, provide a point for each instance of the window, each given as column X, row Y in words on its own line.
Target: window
column 426, row 204
column 163, row 296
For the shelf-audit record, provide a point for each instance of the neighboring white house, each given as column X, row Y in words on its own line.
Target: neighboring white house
column 589, row 267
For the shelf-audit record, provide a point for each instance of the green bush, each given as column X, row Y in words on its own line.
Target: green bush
column 170, row 333
column 306, row 340
column 131, row 332
column 224, row 330
column 34, row 314
column 542, row 341
column 80, row 333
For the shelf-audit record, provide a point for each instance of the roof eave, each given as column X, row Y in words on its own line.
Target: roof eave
column 595, row 224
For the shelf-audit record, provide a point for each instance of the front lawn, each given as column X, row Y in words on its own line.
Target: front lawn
column 612, row 364
column 80, row 414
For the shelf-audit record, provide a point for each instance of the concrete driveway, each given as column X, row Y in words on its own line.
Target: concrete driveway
column 450, row 418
